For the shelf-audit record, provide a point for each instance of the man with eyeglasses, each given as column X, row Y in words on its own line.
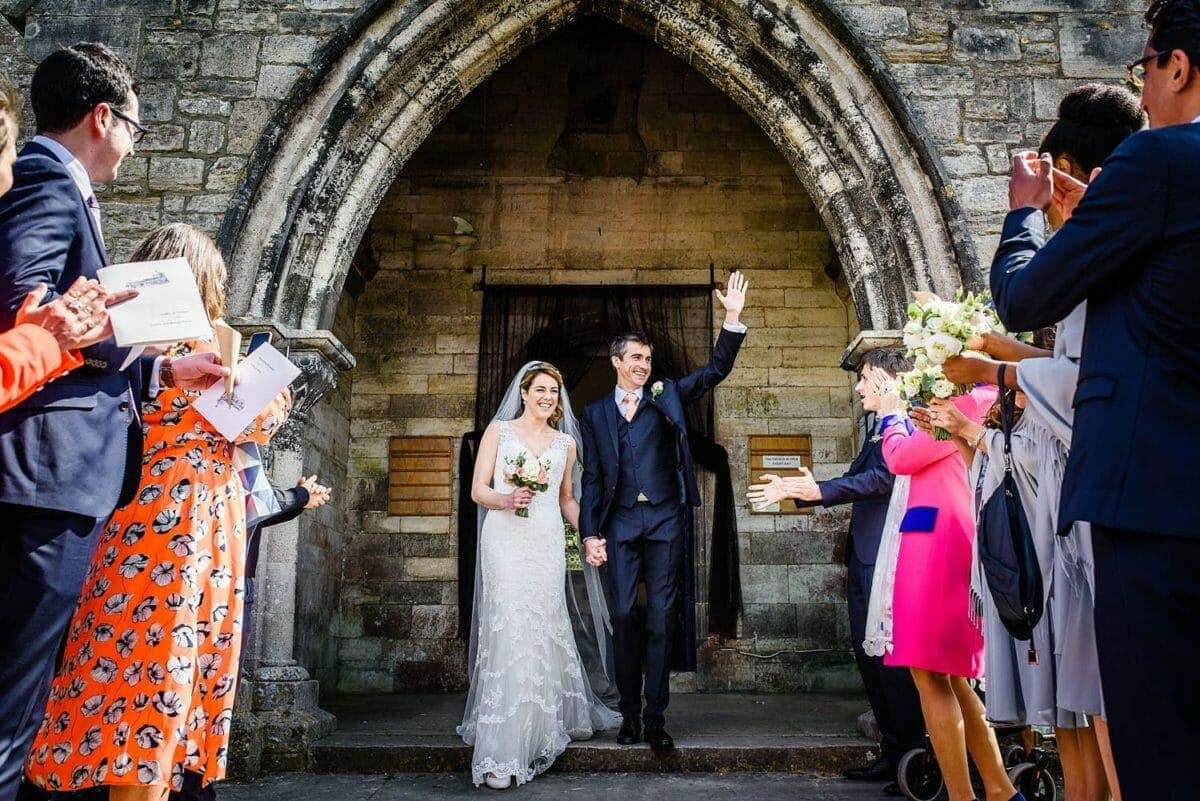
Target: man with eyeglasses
column 1131, row 249
column 72, row 452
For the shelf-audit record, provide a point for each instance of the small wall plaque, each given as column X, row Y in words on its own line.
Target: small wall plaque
column 783, row 456
column 419, row 475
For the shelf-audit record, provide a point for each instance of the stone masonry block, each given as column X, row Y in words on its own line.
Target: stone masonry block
column 987, row 44
column 176, row 173
column 1096, row 46
column 230, row 55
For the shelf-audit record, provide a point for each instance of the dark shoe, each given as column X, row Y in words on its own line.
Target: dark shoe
column 893, row 789
column 658, row 738
column 631, row 732
column 878, row 771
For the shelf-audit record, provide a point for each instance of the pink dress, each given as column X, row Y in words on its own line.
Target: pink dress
column 931, row 629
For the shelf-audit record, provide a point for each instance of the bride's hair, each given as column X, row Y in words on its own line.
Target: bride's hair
column 545, row 368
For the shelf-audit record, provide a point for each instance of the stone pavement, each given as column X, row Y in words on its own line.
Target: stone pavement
column 554, row 786
column 713, row 733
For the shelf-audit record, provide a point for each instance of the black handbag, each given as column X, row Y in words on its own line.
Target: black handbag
column 1005, row 543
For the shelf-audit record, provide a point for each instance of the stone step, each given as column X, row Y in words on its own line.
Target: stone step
column 713, row 733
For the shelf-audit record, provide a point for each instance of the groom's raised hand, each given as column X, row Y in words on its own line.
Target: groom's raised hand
column 734, row 299
column 595, row 551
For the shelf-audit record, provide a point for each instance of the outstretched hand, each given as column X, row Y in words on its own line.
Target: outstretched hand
column 734, row 298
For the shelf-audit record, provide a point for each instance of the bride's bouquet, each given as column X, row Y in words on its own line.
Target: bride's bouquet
column 522, row 471
column 936, row 331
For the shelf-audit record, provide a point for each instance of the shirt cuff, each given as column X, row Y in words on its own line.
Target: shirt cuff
column 735, row 328
column 155, row 381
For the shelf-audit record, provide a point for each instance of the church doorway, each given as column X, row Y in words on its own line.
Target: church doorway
column 570, row 327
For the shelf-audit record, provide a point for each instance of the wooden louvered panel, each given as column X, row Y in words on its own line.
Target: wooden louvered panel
column 419, row 475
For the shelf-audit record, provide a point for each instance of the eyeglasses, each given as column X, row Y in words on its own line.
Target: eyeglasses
column 136, row 133
column 1137, row 70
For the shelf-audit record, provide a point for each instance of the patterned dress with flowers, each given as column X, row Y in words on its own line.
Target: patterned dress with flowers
column 147, row 682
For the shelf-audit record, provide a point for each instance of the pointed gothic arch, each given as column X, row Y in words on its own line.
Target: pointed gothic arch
column 382, row 84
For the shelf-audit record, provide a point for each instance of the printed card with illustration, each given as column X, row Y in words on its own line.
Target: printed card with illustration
column 262, row 375
column 168, row 307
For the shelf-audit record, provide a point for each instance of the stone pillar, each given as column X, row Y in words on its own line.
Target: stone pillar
column 277, row 716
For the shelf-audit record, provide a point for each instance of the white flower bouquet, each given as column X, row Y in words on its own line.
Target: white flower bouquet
column 936, row 331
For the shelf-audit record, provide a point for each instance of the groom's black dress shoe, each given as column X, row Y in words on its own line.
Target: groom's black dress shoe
column 893, row 790
column 658, row 738
column 630, row 733
column 878, row 771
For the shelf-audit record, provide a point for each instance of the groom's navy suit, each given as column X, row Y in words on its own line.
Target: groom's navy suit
column 637, row 476
column 867, row 485
column 69, row 454
column 1132, row 251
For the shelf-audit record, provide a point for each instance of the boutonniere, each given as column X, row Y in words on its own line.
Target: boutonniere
column 656, row 389
column 876, row 437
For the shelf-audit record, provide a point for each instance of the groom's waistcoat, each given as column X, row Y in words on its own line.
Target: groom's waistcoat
column 647, row 458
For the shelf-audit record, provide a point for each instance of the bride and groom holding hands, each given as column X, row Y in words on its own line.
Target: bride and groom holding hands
column 628, row 457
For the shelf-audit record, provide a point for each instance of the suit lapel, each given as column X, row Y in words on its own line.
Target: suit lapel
column 610, row 418
column 97, row 237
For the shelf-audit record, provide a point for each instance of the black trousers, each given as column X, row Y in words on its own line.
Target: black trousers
column 890, row 690
column 645, row 542
column 44, row 557
column 1148, row 637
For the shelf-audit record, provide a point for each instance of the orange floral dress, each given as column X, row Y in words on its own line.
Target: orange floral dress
column 150, row 667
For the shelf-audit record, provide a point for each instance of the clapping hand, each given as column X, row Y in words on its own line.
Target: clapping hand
column 1068, row 191
column 1032, row 181
column 79, row 318
column 318, row 494
column 886, row 388
column 734, row 299
column 595, row 550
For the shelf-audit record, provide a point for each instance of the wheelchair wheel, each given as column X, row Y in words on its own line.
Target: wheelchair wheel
column 1034, row 782
column 1013, row 755
column 919, row 775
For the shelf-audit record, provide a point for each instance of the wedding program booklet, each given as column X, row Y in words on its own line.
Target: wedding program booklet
column 168, row 307
column 262, row 375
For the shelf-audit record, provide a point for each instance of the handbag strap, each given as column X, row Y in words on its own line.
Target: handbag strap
column 1008, row 410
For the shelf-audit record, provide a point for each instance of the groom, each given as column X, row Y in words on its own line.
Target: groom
column 637, row 476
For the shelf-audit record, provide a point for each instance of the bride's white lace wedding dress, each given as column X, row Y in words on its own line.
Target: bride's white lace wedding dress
column 529, row 695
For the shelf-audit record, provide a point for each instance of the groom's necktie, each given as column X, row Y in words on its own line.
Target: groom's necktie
column 631, row 402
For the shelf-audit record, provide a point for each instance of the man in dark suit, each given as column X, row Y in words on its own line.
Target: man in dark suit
column 1131, row 249
column 868, row 486
column 71, row 453
column 637, row 476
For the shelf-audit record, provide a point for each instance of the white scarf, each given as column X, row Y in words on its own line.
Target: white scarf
column 879, row 639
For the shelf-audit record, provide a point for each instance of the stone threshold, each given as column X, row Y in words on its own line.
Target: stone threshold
column 813, row 734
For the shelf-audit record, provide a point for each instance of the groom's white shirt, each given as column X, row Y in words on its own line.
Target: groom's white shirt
column 619, row 394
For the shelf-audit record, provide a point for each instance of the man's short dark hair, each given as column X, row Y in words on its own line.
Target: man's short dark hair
column 620, row 344
column 1175, row 25
column 891, row 360
column 1092, row 120
column 73, row 80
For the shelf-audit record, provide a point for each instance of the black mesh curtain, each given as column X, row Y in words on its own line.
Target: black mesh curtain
column 571, row 327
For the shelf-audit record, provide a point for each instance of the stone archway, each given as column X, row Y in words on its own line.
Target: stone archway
column 379, row 87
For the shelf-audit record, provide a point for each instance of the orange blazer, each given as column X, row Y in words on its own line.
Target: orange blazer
column 29, row 358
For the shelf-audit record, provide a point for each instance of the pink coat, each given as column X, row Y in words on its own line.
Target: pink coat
column 931, row 627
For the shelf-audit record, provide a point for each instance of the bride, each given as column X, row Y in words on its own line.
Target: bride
column 530, row 694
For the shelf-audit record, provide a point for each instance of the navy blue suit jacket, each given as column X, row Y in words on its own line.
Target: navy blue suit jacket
column 599, row 429
column 1132, row 250
column 867, row 485
column 74, row 445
